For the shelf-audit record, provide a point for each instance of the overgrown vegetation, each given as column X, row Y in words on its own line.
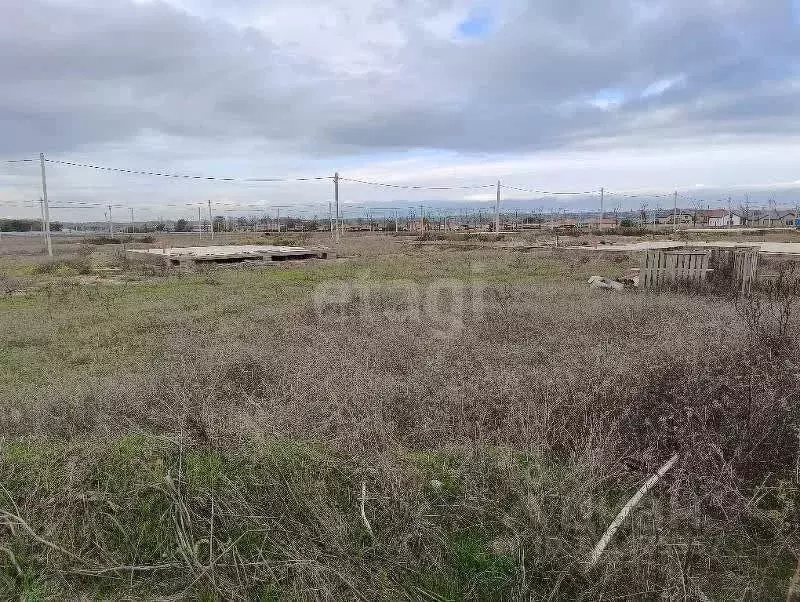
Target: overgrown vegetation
column 104, row 239
column 208, row 436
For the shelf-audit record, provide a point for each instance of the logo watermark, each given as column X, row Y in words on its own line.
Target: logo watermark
column 446, row 304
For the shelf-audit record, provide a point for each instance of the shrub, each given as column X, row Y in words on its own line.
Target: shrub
column 64, row 267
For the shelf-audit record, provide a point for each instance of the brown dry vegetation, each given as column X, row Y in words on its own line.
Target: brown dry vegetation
column 208, row 435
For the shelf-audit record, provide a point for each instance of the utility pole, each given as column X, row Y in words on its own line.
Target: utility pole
column 210, row 220
column 110, row 222
column 41, row 210
column 675, row 211
column 131, row 220
column 199, row 222
column 278, row 220
column 48, row 242
column 602, row 211
column 330, row 217
column 497, row 210
column 336, row 200
column 422, row 218
column 396, row 223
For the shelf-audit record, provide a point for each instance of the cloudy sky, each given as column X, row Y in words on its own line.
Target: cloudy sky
column 568, row 95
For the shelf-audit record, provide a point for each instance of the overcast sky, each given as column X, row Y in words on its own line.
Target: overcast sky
column 699, row 95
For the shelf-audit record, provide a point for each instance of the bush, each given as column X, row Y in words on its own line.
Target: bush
column 431, row 235
column 290, row 240
column 64, row 267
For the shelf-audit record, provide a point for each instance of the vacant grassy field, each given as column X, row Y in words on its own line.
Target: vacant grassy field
column 427, row 422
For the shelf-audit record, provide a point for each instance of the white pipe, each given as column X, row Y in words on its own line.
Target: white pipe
column 612, row 528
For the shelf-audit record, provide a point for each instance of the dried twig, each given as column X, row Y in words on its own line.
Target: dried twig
column 14, row 519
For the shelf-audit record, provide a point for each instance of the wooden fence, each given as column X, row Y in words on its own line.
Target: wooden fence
column 718, row 268
column 745, row 270
column 660, row 269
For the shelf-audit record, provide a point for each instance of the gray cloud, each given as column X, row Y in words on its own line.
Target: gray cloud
column 81, row 74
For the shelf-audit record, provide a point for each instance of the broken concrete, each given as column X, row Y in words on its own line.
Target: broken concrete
column 596, row 282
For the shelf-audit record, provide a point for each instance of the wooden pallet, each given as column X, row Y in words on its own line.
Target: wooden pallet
column 662, row 269
column 732, row 268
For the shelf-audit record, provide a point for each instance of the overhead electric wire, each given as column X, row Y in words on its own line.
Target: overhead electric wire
column 416, row 187
column 182, row 176
column 17, row 160
column 548, row 192
column 639, row 195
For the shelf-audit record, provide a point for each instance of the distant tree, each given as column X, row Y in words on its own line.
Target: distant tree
column 21, row 225
column 626, row 223
column 56, row 226
column 220, row 225
column 182, row 225
column 160, row 227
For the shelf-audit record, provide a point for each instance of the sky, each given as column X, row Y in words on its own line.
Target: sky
column 643, row 96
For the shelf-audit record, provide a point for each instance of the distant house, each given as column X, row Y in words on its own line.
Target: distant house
column 722, row 218
column 667, row 217
column 777, row 218
column 786, row 217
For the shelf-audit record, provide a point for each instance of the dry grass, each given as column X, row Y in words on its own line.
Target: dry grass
column 214, row 437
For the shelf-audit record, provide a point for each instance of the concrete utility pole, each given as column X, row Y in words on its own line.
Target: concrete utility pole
column 131, row 220
column 396, row 223
column 602, row 210
column 278, row 220
column 200, row 222
column 422, row 218
column 497, row 210
column 675, row 211
column 336, row 201
column 210, row 220
column 41, row 210
column 110, row 222
column 47, row 240
column 330, row 218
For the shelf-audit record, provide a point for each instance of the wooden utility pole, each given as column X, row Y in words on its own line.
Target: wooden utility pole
column 210, row 220
column 47, row 240
column 338, row 212
column 497, row 210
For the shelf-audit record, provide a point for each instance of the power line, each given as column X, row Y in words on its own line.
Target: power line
column 639, row 196
column 182, row 176
column 17, row 160
column 547, row 192
column 414, row 187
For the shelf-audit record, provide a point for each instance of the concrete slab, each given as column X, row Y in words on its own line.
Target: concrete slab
column 781, row 248
column 228, row 254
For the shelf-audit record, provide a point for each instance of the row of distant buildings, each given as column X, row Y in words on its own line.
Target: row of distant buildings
column 725, row 218
column 706, row 218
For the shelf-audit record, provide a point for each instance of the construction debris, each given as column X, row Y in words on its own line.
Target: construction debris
column 600, row 282
column 190, row 256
